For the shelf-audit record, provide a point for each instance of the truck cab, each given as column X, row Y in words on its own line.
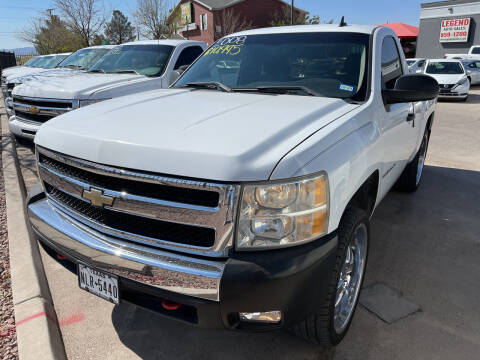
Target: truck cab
column 126, row 69
column 69, row 64
column 240, row 197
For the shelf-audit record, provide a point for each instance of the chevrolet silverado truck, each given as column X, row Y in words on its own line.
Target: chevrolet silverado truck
column 473, row 54
column 79, row 61
column 240, row 198
column 127, row 69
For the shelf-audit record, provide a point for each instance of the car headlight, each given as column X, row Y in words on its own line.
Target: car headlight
column 283, row 214
column 83, row 103
column 462, row 82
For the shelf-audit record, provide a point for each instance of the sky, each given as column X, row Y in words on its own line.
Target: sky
column 15, row 14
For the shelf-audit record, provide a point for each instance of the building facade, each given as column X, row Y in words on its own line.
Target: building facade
column 209, row 20
column 450, row 26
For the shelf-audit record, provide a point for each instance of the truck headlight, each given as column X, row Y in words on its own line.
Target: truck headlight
column 283, row 214
column 83, row 103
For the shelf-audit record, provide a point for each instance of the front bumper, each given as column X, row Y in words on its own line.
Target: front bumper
column 23, row 128
column 458, row 92
column 212, row 292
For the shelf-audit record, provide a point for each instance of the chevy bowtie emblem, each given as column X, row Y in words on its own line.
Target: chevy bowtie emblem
column 97, row 198
column 34, row 110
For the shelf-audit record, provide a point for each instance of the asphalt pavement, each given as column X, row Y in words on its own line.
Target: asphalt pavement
column 424, row 245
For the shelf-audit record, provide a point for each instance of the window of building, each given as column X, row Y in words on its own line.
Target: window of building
column 188, row 56
column 391, row 65
column 203, row 22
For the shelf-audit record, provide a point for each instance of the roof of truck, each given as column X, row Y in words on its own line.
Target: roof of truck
column 171, row 42
column 365, row 29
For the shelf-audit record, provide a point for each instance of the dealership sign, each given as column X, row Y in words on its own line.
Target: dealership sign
column 455, row 30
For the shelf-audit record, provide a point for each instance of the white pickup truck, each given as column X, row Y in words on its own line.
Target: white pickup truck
column 240, row 198
column 473, row 54
column 79, row 61
column 127, row 69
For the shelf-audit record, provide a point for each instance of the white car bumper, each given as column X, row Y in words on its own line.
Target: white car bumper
column 22, row 129
column 458, row 92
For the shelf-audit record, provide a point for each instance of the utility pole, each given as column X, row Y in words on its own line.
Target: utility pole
column 292, row 12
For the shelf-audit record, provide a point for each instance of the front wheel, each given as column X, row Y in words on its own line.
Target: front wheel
column 412, row 174
column 330, row 324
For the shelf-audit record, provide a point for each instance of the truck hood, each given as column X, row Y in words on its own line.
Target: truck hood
column 77, row 86
column 21, row 71
column 201, row 134
column 13, row 69
column 448, row 78
column 43, row 75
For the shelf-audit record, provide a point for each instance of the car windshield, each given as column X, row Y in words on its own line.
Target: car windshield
column 43, row 61
column 149, row 60
column 476, row 50
column 411, row 62
column 452, row 68
column 54, row 61
column 31, row 61
column 327, row 64
column 84, row 58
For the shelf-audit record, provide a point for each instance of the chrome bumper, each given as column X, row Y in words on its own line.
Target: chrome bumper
column 177, row 273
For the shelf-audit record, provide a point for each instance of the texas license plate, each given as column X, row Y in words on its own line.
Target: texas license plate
column 98, row 283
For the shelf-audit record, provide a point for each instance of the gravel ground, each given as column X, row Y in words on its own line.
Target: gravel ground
column 8, row 338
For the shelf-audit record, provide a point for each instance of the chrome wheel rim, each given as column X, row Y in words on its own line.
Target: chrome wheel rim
column 421, row 159
column 351, row 275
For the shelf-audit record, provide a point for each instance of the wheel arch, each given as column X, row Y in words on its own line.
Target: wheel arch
column 366, row 196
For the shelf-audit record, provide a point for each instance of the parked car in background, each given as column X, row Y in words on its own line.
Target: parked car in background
column 451, row 76
column 473, row 70
column 80, row 60
column 473, row 54
column 415, row 66
column 127, row 69
column 39, row 64
column 241, row 197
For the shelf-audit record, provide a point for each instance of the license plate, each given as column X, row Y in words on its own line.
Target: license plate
column 98, row 283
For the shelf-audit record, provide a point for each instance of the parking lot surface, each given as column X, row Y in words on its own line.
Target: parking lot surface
column 424, row 245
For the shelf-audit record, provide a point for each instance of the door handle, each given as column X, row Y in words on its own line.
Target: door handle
column 410, row 117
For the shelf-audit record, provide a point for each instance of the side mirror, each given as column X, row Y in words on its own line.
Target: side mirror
column 412, row 88
column 174, row 76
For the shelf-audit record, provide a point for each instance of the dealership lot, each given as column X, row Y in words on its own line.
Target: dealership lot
column 425, row 245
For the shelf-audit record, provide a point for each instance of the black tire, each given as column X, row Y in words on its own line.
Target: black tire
column 319, row 327
column 408, row 181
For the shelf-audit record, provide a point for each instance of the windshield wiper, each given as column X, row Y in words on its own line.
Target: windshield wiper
column 71, row 66
column 282, row 89
column 126, row 72
column 97, row 71
column 209, row 85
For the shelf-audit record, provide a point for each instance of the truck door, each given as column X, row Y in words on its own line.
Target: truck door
column 398, row 128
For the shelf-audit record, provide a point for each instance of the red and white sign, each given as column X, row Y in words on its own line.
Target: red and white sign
column 455, row 30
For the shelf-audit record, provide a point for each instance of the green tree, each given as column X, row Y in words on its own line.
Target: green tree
column 49, row 35
column 119, row 29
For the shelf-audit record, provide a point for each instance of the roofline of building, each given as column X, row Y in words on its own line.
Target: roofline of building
column 229, row 5
column 446, row 3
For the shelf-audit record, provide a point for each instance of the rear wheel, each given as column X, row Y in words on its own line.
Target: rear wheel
column 330, row 324
column 412, row 174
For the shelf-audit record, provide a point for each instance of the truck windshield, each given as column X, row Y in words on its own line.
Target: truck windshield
column 327, row 64
column 452, row 68
column 54, row 61
column 31, row 61
column 43, row 61
column 84, row 58
column 149, row 60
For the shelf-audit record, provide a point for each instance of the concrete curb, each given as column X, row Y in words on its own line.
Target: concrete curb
column 38, row 334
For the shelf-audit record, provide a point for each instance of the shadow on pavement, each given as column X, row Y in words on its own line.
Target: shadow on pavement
column 151, row 336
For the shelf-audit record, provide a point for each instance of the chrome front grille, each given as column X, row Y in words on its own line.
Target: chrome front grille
column 39, row 110
column 154, row 211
